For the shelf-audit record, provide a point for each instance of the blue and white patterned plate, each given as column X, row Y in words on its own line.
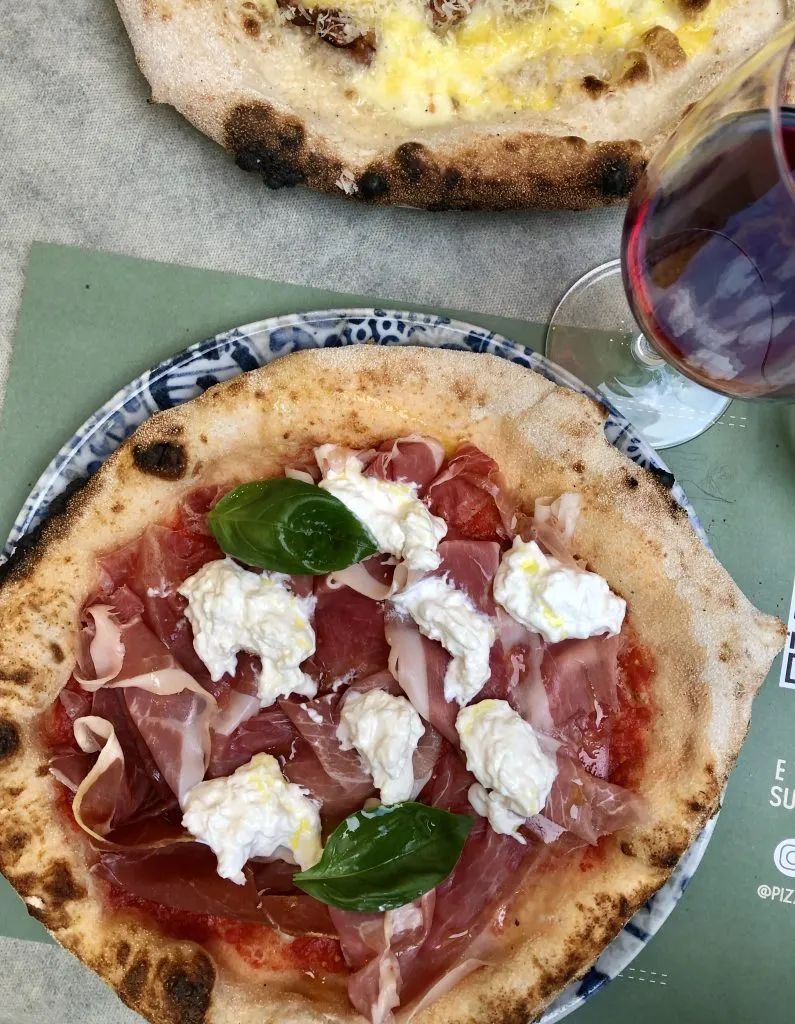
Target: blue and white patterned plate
column 199, row 367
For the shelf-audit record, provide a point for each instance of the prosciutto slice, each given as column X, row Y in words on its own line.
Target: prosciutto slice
column 340, row 781
column 580, row 674
column 174, row 718
column 469, row 903
column 383, row 680
column 470, row 566
column 398, row 962
column 241, row 701
column 470, row 496
column 378, row 946
column 172, row 713
column 349, row 636
column 152, row 794
column 268, row 732
column 154, row 566
column 103, row 789
column 590, row 807
column 105, row 647
column 474, row 898
column 184, row 877
column 413, row 459
column 552, row 526
column 111, row 790
column 334, row 456
column 419, row 665
column 516, row 659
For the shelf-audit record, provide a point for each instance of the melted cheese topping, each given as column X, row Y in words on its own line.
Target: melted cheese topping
column 502, row 56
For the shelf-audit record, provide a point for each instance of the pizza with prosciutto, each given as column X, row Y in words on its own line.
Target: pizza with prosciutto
column 374, row 684
column 444, row 104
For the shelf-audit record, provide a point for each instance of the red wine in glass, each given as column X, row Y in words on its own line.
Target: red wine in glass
column 709, row 257
column 701, row 307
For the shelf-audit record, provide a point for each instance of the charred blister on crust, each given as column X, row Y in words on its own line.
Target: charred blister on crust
column 59, row 884
column 266, row 143
column 452, row 178
column 188, row 987
column 134, row 980
column 17, row 676
column 597, row 174
column 615, row 174
column 163, row 459
column 277, row 170
column 251, row 26
column 637, row 72
column 48, row 894
column 9, row 739
column 594, row 87
column 662, row 478
column 664, row 46
column 14, row 845
column 372, row 185
column 415, row 160
column 666, row 859
column 694, row 6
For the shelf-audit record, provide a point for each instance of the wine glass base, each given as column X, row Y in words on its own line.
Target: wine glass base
column 593, row 335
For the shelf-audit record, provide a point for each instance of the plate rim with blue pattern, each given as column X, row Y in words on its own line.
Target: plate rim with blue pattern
column 219, row 358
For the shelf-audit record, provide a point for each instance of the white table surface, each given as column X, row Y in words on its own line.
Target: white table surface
column 85, row 160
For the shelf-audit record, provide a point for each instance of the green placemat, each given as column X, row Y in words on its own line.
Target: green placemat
column 91, row 321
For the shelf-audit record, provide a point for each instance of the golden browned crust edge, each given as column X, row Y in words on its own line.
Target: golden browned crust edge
column 495, row 172
column 712, row 647
column 558, row 164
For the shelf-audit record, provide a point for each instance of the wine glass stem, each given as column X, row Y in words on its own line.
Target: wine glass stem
column 643, row 352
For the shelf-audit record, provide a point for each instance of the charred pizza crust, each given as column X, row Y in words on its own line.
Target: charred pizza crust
column 712, row 650
column 287, row 115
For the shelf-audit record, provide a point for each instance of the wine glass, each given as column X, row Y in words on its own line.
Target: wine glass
column 708, row 267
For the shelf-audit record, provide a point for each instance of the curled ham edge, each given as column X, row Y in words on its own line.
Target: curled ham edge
column 109, row 648
column 163, row 683
column 94, row 734
column 565, row 509
column 107, row 654
column 359, row 579
column 106, row 648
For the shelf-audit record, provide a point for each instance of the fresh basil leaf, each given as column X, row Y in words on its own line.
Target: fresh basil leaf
column 289, row 526
column 388, row 857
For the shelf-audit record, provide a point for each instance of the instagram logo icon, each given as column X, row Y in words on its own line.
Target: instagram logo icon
column 784, row 857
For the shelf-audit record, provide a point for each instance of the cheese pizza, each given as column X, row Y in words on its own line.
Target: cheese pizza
column 444, row 103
